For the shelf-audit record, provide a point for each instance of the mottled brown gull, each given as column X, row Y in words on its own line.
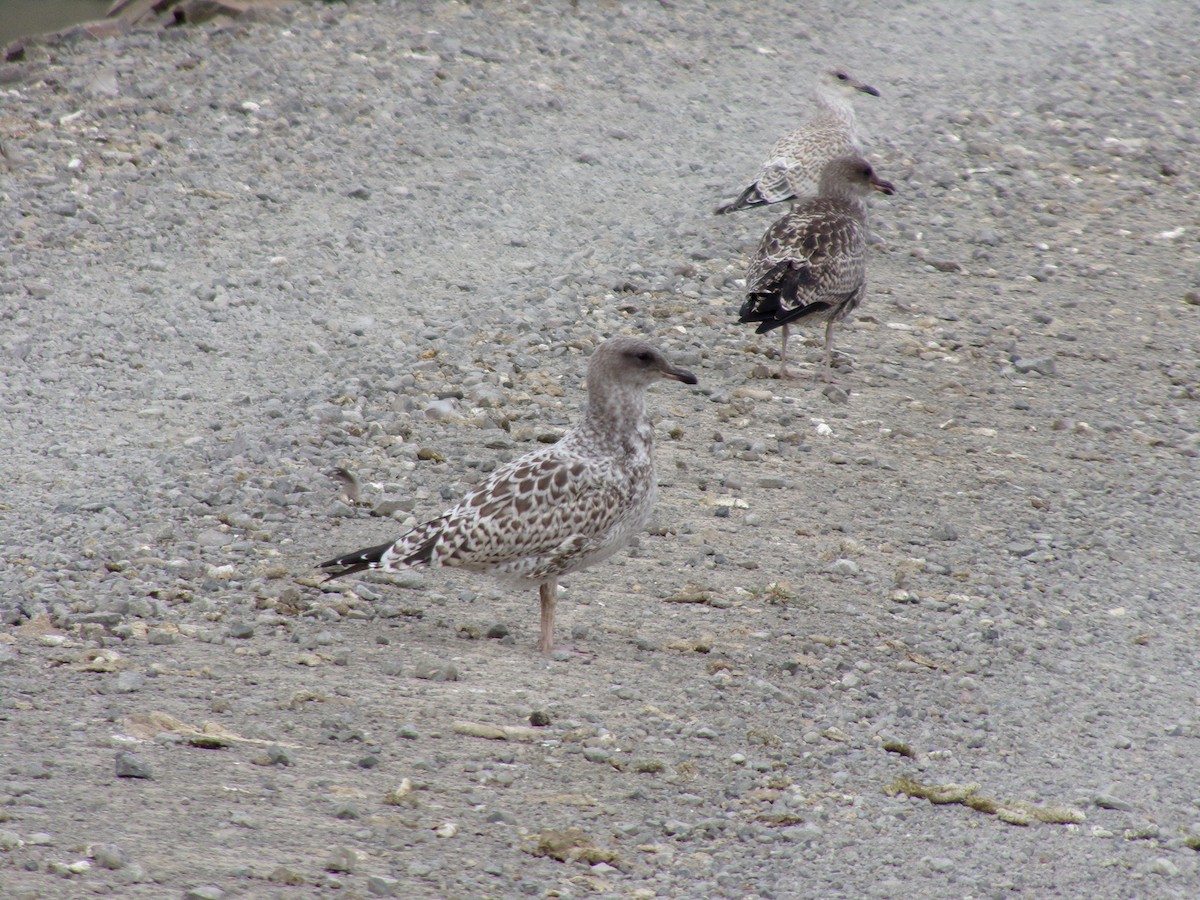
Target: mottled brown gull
column 811, row 263
column 794, row 164
column 560, row 508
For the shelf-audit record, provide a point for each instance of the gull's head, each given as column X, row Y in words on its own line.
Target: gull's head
column 844, row 82
column 851, row 176
column 632, row 362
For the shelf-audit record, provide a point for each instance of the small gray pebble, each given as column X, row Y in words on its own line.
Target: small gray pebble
column 204, row 892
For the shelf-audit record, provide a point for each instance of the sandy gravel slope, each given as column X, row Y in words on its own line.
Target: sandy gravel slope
column 386, row 237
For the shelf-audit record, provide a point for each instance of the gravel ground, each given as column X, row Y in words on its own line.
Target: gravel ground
column 385, row 237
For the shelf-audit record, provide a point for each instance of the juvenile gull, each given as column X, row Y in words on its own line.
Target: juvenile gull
column 794, row 164
column 811, row 263
column 560, row 508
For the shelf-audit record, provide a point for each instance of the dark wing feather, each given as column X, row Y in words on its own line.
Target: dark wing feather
column 358, row 561
column 748, row 198
column 809, row 262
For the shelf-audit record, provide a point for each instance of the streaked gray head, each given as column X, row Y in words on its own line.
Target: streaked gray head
column 847, row 83
column 851, row 177
column 628, row 362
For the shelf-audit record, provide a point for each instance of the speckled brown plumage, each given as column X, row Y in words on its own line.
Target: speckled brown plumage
column 793, row 167
column 811, row 263
column 560, row 508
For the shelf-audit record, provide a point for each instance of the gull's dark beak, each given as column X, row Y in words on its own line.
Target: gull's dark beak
column 679, row 375
column 884, row 187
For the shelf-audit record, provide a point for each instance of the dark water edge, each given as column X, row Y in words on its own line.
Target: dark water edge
column 20, row 18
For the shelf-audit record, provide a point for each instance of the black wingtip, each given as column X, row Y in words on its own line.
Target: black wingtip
column 749, row 198
column 358, row 561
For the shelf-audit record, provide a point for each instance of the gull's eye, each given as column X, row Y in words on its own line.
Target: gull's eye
column 646, row 356
column 841, row 76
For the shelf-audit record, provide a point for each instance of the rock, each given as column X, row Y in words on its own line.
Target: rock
column 677, row 828
column 109, row 856
column 944, row 532
column 436, row 672
column 596, row 755
column 274, row 755
column 1160, row 865
column 286, row 875
column 1043, row 365
column 382, row 886
column 204, row 892
column 1109, row 801
column 843, row 567
column 130, row 765
column 342, row 859
column 835, row 394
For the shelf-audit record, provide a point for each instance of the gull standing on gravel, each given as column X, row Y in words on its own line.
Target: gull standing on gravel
column 794, row 164
column 811, row 263
column 560, row 508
